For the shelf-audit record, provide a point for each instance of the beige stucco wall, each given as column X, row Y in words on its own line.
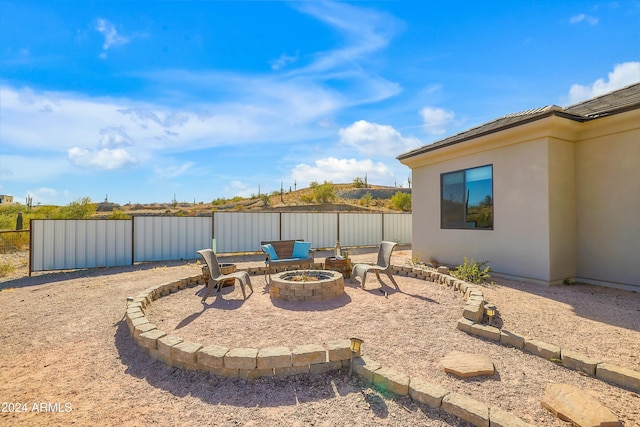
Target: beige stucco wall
column 518, row 245
column 562, row 210
column 566, row 201
column 608, row 201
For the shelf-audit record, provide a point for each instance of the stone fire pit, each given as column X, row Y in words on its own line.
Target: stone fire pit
column 306, row 285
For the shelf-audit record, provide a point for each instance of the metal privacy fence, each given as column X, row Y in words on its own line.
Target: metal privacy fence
column 72, row 244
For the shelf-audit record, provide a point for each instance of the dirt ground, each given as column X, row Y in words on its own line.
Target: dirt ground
column 67, row 358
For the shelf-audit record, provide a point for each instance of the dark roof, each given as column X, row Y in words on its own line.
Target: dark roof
column 625, row 99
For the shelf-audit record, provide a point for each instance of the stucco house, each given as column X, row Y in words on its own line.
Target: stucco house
column 544, row 195
column 6, row 200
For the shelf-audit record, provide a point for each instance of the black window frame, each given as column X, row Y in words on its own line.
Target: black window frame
column 443, row 211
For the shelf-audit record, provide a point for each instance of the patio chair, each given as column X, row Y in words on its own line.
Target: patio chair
column 216, row 278
column 382, row 265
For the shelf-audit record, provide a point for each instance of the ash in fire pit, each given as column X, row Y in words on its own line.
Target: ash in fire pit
column 306, row 276
column 306, row 285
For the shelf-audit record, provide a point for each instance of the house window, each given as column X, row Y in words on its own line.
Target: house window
column 466, row 198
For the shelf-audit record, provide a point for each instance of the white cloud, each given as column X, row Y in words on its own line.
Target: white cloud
column 371, row 31
column 239, row 188
column 114, row 136
column 284, row 60
column 583, row 18
column 376, row 140
column 174, row 171
column 111, row 35
column 340, row 171
column 101, row 159
column 436, row 120
column 622, row 75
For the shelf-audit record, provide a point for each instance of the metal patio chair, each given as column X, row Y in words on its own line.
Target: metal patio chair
column 216, row 278
column 382, row 265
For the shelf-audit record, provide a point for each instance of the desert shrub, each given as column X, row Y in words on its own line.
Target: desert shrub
column 266, row 200
column 366, row 199
column 358, row 182
column 473, row 271
column 401, row 201
column 6, row 269
column 14, row 241
column 307, row 198
column 324, row 193
column 118, row 214
column 8, row 215
column 81, row 208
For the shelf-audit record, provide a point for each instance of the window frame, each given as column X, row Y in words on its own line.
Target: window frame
column 465, row 189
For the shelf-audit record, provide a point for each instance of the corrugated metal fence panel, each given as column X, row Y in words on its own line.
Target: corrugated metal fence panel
column 243, row 231
column 164, row 238
column 360, row 229
column 321, row 229
column 69, row 244
column 397, row 228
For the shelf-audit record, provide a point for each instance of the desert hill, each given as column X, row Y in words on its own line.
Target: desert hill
column 348, row 197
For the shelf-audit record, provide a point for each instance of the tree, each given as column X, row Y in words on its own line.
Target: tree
column 401, row 201
column 324, row 193
column 81, row 208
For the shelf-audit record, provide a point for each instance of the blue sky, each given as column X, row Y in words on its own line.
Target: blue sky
column 140, row 100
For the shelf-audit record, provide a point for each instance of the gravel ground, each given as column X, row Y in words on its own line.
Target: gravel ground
column 63, row 342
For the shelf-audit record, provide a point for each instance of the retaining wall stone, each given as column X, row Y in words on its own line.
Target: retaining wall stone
column 512, row 339
column 542, row 349
column 466, row 408
column 579, row 362
column 241, row 358
column 618, row 375
column 391, row 380
column 427, row 393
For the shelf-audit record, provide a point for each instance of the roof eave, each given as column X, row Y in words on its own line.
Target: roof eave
column 436, row 145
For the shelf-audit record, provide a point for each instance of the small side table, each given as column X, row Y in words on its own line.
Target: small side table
column 341, row 265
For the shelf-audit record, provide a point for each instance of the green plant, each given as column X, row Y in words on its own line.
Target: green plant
column 358, row 182
column 19, row 221
column 81, row 208
column 307, row 198
column 401, row 201
column 118, row 214
column 472, row 271
column 266, row 200
column 324, row 193
column 366, row 199
column 6, row 269
column 414, row 260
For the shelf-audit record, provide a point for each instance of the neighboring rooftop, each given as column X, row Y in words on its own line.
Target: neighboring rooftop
column 625, row 99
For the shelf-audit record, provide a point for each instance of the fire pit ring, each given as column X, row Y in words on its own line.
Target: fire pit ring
column 306, row 285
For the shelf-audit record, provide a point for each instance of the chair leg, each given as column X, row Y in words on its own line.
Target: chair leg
column 210, row 287
column 249, row 282
column 364, row 278
column 244, row 293
column 392, row 280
